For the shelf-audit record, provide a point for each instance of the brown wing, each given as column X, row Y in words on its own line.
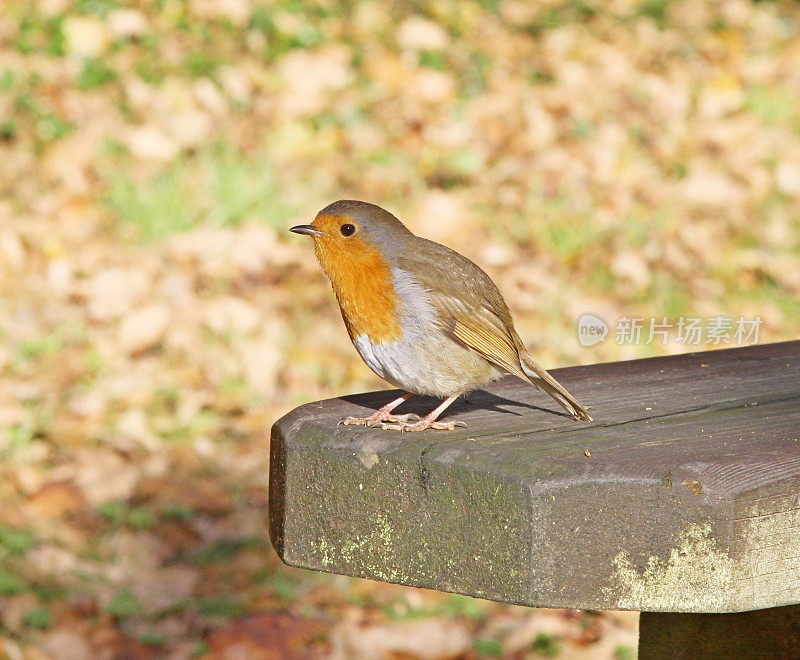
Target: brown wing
column 468, row 304
column 485, row 333
column 472, row 311
column 480, row 330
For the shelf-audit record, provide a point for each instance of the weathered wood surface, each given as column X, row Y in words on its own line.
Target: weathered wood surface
column 688, row 502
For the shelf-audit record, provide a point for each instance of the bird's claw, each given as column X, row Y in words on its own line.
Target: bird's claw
column 376, row 419
column 422, row 425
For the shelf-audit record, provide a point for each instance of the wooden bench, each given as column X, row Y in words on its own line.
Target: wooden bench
column 681, row 499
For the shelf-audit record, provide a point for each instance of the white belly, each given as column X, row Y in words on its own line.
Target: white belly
column 424, row 360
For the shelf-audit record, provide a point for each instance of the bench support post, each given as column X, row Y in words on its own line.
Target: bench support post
column 771, row 633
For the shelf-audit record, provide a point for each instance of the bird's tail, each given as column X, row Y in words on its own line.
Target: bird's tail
column 543, row 380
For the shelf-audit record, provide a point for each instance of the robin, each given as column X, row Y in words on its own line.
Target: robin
column 423, row 317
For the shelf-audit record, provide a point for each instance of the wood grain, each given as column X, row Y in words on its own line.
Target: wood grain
column 689, row 499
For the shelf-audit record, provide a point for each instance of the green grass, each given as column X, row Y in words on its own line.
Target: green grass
column 48, row 592
column 568, row 234
column 625, row 653
column 546, row 645
column 178, row 512
column 157, row 207
column 94, row 362
column 34, row 348
column 100, row 8
column 52, row 127
column 774, row 107
column 31, row 112
column 466, row 606
column 223, row 550
column 95, row 74
column 18, row 437
column 455, row 605
column 222, row 606
column 7, row 79
column 114, row 512
column 487, row 648
column 199, row 64
column 150, row 638
column 15, row 541
column 124, row 605
column 8, row 129
column 282, row 586
column 141, row 518
column 220, row 186
column 119, row 513
column 308, row 35
column 40, row 617
column 655, row 9
column 151, row 69
column 203, row 423
column 582, row 128
column 37, row 34
column 433, row 59
column 10, row 584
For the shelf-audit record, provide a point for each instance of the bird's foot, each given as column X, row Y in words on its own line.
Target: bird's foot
column 379, row 418
column 421, row 425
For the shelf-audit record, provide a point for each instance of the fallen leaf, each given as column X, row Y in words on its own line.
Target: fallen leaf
column 271, row 636
column 427, row 639
column 144, row 328
column 54, row 500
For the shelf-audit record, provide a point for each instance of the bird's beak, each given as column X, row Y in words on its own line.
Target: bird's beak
column 310, row 230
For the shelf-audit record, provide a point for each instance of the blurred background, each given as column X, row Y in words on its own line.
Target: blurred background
column 620, row 158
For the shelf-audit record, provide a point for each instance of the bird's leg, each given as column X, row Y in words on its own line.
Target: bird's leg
column 429, row 421
column 383, row 414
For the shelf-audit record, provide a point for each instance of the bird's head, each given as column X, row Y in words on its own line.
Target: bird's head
column 356, row 244
column 350, row 226
column 352, row 234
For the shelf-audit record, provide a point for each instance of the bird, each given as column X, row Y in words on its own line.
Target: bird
column 423, row 317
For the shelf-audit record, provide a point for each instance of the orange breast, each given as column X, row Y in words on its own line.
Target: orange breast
column 362, row 282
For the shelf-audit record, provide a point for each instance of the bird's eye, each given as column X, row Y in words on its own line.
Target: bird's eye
column 347, row 229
